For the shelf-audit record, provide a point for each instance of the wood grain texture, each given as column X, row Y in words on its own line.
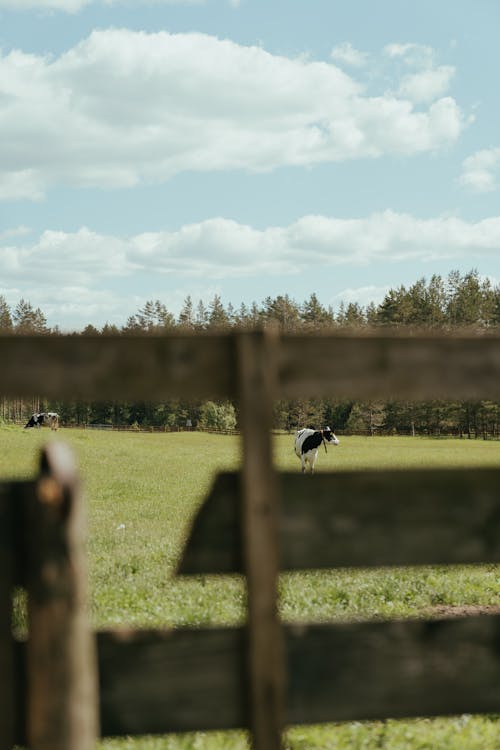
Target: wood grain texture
column 393, row 669
column 13, row 496
column 260, row 509
column 7, row 666
column 155, row 682
column 61, row 665
column 364, row 519
column 117, row 367
column 390, row 366
column 346, row 366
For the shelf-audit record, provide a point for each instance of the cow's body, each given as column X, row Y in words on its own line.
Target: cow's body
column 44, row 419
column 307, row 442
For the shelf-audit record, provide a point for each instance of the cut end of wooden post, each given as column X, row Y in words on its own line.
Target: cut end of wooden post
column 50, row 492
column 57, row 461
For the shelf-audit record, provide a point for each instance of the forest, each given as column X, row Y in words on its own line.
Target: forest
column 465, row 302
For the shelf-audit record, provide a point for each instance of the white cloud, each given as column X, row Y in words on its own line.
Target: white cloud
column 74, row 6
column 69, row 6
column 427, row 85
column 14, row 232
column 125, row 107
column 346, row 53
column 479, row 170
column 75, row 277
column 221, row 248
column 427, row 81
column 363, row 295
column 414, row 55
column 21, row 184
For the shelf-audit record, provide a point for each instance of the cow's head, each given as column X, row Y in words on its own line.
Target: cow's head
column 329, row 436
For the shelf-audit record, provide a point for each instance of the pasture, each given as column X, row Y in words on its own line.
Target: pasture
column 142, row 491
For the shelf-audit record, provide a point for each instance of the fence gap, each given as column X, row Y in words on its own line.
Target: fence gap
column 257, row 354
column 60, row 658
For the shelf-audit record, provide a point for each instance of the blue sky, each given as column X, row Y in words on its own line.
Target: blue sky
column 245, row 148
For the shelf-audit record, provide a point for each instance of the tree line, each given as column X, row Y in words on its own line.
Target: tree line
column 459, row 301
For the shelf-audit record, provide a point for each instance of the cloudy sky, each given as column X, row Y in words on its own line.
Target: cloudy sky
column 154, row 149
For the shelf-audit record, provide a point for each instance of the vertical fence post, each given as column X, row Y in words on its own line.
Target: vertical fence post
column 61, row 665
column 7, row 668
column 257, row 354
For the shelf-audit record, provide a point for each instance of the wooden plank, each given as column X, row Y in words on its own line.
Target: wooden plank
column 7, row 667
column 13, row 495
column 393, row 670
column 365, row 519
column 390, row 366
column 60, row 657
column 156, row 682
column 260, row 518
column 117, row 367
column 21, row 691
column 12, row 672
column 155, row 367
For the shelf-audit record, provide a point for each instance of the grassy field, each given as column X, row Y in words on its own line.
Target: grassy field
column 142, row 491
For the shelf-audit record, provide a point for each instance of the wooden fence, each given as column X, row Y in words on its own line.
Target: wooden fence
column 66, row 683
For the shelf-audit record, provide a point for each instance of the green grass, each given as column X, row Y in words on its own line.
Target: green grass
column 143, row 490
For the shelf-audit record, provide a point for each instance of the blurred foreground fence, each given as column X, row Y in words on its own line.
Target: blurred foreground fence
column 66, row 684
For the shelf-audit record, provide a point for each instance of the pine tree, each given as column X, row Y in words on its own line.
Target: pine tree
column 6, row 324
column 186, row 315
column 282, row 310
column 217, row 316
column 351, row 316
column 201, row 319
column 152, row 318
column 28, row 320
column 314, row 315
column 470, row 302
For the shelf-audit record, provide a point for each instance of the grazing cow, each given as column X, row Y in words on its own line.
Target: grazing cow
column 307, row 443
column 44, row 419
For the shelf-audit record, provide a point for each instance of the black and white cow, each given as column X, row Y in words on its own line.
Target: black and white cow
column 44, row 419
column 307, row 442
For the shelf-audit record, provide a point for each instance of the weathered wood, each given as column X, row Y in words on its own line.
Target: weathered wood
column 153, row 682
column 365, row 519
column 14, row 495
column 7, row 667
column 260, row 513
column 393, row 670
column 60, row 659
column 193, row 680
column 12, row 674
column 362, row 366
column 117, row 367
column 389, row 366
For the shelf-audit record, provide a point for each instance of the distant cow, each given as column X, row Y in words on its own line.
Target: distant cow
column 44, row 419
column 307, row 442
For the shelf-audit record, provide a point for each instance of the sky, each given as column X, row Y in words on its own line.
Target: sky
column 155, row 149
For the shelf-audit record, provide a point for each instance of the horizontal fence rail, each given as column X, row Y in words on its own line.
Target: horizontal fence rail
column 157, row 367
column 162, row 681
column 358, row 519
column 118, row 367
column 194, row 680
